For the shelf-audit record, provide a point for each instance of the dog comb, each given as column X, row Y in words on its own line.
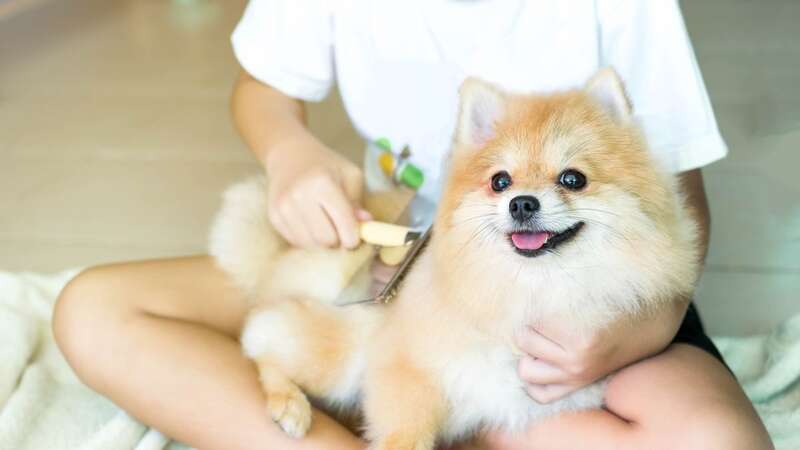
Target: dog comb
column 390, row 290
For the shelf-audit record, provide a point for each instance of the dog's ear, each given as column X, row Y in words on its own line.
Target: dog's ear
column 482, row 105
column 607, row 89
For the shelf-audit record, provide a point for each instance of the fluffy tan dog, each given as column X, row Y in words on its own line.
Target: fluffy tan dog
column 553, row 211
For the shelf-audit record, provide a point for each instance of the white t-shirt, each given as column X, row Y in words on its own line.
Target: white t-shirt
column 399, row 63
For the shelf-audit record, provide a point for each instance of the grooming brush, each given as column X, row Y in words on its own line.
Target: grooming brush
column 415, row 249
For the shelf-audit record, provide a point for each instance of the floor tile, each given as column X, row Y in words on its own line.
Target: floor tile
column 106, row 203
column 148, row 129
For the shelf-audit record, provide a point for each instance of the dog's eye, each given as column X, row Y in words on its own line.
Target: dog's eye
column 501, row 181
column 572, row 179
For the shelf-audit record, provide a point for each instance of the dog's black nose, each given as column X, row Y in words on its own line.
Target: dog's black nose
column 523, row 207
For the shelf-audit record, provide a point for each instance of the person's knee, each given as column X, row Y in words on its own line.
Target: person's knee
column 82, row 315
column 684, row 398
column 725, row 427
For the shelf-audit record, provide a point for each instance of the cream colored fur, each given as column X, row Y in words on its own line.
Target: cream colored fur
column 439, row 363
column 262, row 264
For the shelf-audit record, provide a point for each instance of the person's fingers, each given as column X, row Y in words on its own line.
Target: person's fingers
column 342, row 214
column 546, row 393
column 362, row 215
column 537, row 371
column 318, row 224
column 299, row 231
column 315, row 221
column 322, row 230
column 278, row 220
column 538, row 346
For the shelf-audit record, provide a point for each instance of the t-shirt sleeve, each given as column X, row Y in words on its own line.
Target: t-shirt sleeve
column 288, row 45
column 647, row 43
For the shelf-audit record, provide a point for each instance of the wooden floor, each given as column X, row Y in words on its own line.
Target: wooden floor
column 115, row 140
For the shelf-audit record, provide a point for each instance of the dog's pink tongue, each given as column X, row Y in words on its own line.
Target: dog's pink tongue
column 529, row 241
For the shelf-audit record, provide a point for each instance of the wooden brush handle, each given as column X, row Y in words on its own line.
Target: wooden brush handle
column 383, row 234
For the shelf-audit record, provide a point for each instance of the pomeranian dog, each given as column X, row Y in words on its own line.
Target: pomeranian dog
column 553, row 210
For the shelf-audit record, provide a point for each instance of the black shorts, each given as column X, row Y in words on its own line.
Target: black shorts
column 691, row 332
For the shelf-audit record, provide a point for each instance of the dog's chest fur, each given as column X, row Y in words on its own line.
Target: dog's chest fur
column 484, row 390
column 473, row 358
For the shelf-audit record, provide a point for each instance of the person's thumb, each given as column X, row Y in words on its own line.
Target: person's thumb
column 362, row 215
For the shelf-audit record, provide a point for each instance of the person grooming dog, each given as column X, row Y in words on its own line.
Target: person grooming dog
column 398, row 66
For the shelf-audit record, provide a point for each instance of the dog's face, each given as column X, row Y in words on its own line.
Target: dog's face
column 551, row 179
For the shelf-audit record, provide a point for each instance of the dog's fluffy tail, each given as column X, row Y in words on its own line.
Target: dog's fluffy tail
column 262, row 264
column 242, row 241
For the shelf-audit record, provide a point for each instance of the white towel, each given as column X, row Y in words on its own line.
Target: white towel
column 43, row 406
column 768, row 367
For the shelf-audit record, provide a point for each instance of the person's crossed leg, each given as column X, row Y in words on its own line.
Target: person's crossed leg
column 681, row 399
column 159, row 338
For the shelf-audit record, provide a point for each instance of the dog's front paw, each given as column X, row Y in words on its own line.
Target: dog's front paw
column 291, row 411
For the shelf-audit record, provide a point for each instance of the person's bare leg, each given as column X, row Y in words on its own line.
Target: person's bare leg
column 681, row 399
column 159, row 339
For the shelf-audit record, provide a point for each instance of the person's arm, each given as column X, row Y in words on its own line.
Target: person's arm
column 265, row 117
column 570, row 364
column 313, row 191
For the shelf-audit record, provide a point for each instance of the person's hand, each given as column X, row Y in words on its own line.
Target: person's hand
column 314, row 195
column 558, row 361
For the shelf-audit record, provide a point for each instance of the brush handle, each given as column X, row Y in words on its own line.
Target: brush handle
column 384, row 234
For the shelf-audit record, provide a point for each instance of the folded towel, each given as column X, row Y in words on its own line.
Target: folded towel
column 44, row 406
column 768, row 367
